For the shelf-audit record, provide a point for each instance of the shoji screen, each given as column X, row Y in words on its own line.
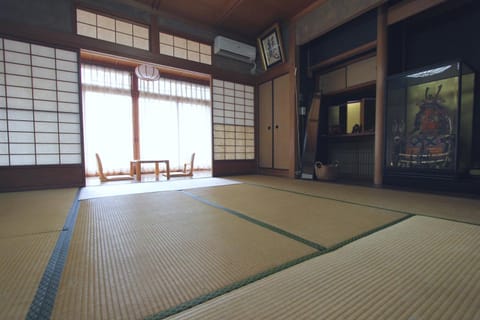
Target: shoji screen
column 39, row 105
column 233, row 121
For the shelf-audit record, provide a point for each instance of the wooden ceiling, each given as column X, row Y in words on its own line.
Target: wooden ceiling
column 245, row 18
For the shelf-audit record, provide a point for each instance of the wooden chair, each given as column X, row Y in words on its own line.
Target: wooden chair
column 104, row 178
column 187, row 169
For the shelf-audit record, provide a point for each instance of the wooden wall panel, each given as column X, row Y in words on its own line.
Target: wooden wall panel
column 41, row 177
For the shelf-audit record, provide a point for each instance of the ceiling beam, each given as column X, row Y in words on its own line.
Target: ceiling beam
column 229, row 7
column 405, row 9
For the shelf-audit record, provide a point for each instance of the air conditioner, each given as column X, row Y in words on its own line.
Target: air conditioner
column 234, row 49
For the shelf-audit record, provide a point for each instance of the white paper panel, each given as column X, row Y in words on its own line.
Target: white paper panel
column 23, row 148
column 19, row 81
column 20, row 103
column 140, row 43
column 3, row 137
column 46, row 137
column 217, row 83
column 66, row 65
column 68, row 107
column 47, row 159
column 124, row 27
column 106, row 22
column 70, row 149
column 70, row 159
column 18, row 92
column 180, row 42
column 46, row 116
column 86, row 16
column 67, row 76
column 40, row 94
column 39, row 72
column 141, row 32
column 193, row 56
column 47, row 148
column 205, row 49
column 4, row 160
column 193, row 46
column 1, row 43
column 124, row 39
column 45, row 105
column 44, row 84
column 180, row 53
column 43, row 62
column 3, row 125
column 67, row 86
column 68, row 97
column 166, row 50
column 20, row 137
column 16, row 46
column 107, row 35
column 3, row 113
column 19, row 58
column 69, row 128
column 20, row 115
column 19, row 160
column 13, row 68
column 3, row 148
column 69, row 138
column 205, row 59
column 166, row 38
column 86, row 30
column 229, row 106
column 43, row 51
column 66, row 55
column 249, row 122
column 69, row 117
column 43, row 127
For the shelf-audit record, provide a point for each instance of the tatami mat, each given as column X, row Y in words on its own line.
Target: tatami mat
column 30, row 212
column 323, row 221
column 137, row 255
column 30, row 224
column 22, row 263
column 434, row 205
column 108, row 190
column 422, row 268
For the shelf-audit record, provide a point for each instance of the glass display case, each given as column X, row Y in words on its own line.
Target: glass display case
column 429, row 119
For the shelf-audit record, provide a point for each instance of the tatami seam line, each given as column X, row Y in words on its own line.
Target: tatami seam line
column 194, row 302
column 44, row 299
column 360, row 204
column 257, row 222
column 202, row 299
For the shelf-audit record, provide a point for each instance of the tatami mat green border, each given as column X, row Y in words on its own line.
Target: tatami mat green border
column 258, row 222
column 42, row 304
column 192, row 303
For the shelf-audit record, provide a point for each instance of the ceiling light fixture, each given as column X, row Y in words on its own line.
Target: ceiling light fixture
column 147, row 72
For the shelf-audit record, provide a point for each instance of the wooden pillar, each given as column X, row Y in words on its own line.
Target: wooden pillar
column 380, row 94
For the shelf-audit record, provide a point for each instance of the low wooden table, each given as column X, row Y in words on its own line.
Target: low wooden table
column 136, row 167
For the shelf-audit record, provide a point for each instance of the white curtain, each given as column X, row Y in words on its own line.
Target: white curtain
column 175, row 121
column 107, row 119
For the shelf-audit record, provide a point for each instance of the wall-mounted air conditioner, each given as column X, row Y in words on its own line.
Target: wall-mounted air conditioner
column 234, row 49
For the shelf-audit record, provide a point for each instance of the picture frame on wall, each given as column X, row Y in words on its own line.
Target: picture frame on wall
column 270, row 46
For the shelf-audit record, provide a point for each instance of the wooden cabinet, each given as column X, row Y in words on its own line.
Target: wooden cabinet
column 275, row 129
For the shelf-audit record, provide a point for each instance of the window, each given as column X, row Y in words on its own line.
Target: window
column 39, row 105
column 233, row 121
column 175, row 121
column 109, row 29
column 182, row 48
column 107, row 118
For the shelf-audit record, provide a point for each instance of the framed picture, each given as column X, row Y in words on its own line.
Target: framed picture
column 270, row 46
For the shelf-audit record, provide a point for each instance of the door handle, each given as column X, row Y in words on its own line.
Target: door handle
column 269, row 127
column 276, row 126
